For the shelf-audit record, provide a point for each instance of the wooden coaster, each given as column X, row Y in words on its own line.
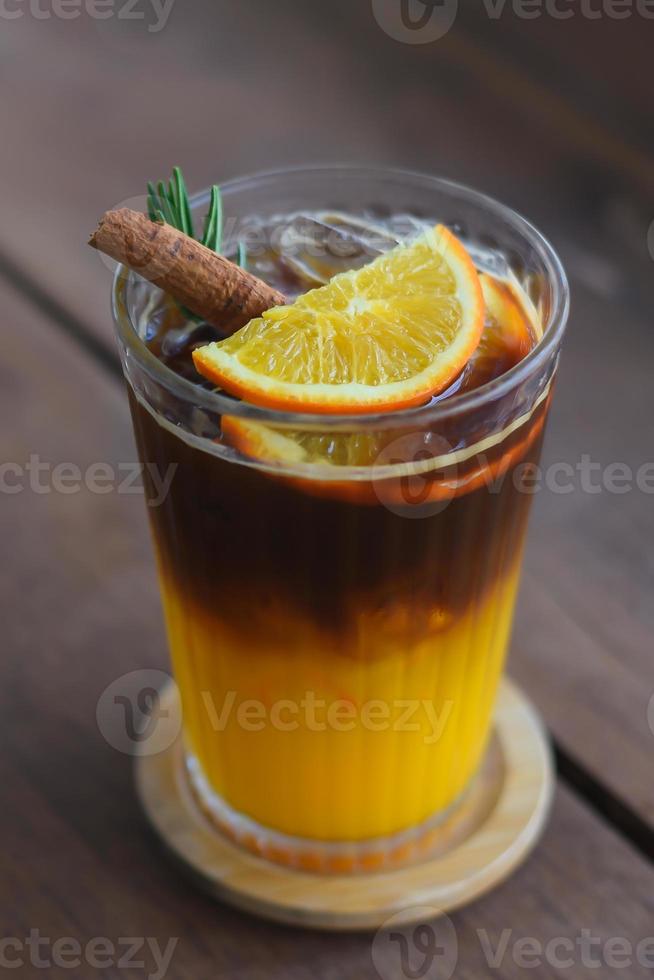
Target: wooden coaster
column 493, row 830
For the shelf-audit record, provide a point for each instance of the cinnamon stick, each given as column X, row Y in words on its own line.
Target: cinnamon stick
column 209, row 285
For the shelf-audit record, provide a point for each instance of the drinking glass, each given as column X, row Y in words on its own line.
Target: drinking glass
column 338, row 619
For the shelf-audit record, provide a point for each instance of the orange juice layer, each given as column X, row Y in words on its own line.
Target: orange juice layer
column 320, row 742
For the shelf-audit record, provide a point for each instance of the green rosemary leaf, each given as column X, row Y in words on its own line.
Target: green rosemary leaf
column 219, row 221
column 164, row 204
column 212, row 240
column 153, row 202
column 173, row 200
column 182, row 197
column 173, row 204
column 242, row 255
column 207, row 231
column 213, row 224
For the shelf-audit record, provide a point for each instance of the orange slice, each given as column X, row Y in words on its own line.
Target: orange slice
column 386, row 336
column 509, row 335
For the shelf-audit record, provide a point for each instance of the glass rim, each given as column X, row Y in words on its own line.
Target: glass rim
column 223, row 404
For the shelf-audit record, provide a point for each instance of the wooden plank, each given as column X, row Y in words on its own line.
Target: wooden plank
column 77, row 856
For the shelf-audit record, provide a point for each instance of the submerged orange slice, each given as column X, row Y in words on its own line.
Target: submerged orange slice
column 258, row 441
column 386, row 336
column 416, row 480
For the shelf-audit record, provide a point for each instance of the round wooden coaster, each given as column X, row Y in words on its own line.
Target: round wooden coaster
column 493, row 830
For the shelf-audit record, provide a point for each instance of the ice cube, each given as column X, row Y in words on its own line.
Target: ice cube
column 316, row 247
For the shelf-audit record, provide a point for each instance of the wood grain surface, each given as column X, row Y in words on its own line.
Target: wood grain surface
column 554, row 118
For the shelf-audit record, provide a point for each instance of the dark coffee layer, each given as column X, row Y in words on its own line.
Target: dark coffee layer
column 241, row 542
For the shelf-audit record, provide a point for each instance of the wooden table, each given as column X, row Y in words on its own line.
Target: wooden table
column 552, row 116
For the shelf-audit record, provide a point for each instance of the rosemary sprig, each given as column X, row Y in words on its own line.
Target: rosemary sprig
column 169, row 203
